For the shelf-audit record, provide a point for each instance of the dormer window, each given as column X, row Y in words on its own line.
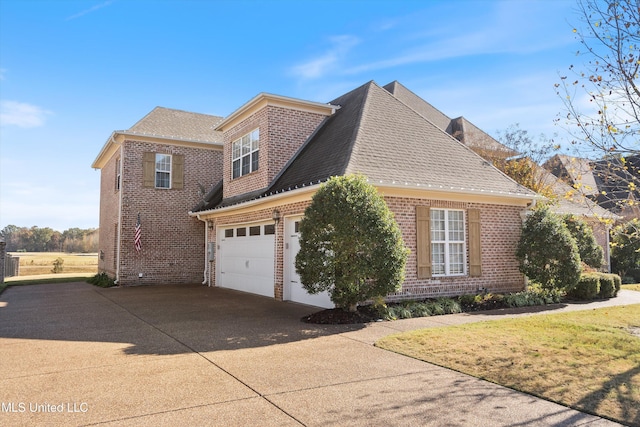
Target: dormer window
column 244, row 157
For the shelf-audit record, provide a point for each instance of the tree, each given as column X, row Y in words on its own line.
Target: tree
column 350, row 244
column 625, row 247
column 523, row 167
column 609, row 128
column 590, row 251
column 546, row 251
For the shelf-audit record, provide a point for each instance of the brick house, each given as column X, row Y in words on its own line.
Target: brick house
column 154, row 171
column 460, row 217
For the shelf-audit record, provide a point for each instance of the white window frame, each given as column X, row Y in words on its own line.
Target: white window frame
column 245, row 151
column 161, row 169
column 444, row 241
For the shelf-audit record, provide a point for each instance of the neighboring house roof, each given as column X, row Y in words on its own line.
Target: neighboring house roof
column 167, row 124
column 377, row 135
column 605, row 181
column 178, row 124
column 569, row 201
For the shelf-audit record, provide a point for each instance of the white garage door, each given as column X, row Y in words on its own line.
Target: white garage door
column 245, row 258
column 293, row 287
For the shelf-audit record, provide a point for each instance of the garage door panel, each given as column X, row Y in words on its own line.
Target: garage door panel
column 294, row 290
column 246, row 263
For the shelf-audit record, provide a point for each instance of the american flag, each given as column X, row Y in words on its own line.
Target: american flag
column 137, row 239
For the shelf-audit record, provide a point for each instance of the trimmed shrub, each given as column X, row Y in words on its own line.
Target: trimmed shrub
column 350, row 243
column 607, row 286
column 547, row 253
column 588, row 288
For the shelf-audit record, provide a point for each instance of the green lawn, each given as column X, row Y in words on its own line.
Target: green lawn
column 588, row 360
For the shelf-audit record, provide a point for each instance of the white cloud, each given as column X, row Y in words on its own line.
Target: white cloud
column 22, row 114
column 91, row 9
column 321, row 65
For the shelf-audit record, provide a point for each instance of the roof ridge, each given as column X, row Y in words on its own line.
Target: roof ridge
column 355, row 136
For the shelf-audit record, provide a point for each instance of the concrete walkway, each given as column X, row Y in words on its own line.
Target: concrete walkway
column 73, row 354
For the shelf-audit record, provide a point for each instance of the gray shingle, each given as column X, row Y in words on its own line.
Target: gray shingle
column 165, row 122
column 375, row 134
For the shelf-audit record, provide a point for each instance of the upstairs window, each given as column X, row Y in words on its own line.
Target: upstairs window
column 244, row 154
column 163, row 170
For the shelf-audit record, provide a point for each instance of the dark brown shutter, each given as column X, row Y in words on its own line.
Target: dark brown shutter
column 475, row 253
column 423, row 242
column 148, row 170
column 177, row 171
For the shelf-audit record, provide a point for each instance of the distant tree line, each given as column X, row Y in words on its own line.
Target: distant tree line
column 37, row 239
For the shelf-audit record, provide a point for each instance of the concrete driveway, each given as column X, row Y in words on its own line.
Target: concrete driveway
column 74, row 354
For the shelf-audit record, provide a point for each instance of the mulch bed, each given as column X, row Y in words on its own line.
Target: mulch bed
column 366, row 314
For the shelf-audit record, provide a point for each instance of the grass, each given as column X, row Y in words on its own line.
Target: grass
column 635, row 287
column 587, row 360
column 36, row 263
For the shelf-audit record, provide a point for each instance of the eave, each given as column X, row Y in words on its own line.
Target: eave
column 118, row 137
column 262, row 100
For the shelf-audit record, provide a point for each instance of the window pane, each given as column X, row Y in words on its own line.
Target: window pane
column 236, row 168
column 269, row 229
column 254, row 161
column 163, row 162
column 228, row 232
column 236, row 150
column 246, row 145
column 456, row 226
column 246, row 165
column 255, row 136
column 163, row 180
column 437, row 258
column 254, row 231
column 241, row 232
column 456, row 258
column 437, row 225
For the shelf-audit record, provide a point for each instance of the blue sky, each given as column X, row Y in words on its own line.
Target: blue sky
column 73, row 71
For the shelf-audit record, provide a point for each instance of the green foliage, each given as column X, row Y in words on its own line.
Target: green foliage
column 57, row 265
column 102, row 280
column 37, row 239
column 546, row 251
column 350, row 244
column 625, row 247
column 607, row 286
column 587, row 288
column 590, row 252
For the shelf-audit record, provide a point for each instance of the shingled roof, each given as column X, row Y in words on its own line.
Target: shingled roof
column 376, row 134
column 178, row 124
column 381, row 137
column 460, row 128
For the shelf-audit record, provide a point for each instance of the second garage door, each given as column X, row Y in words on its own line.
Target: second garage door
column 246, row 258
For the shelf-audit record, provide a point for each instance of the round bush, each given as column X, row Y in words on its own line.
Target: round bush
column 587, row 288
column 547, row 252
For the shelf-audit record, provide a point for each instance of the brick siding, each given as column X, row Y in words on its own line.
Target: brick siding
column 282, row 133
column 500, row 232
column 172, row 242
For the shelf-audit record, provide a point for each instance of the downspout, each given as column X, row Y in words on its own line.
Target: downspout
column 205, row 280
column 119, row 231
